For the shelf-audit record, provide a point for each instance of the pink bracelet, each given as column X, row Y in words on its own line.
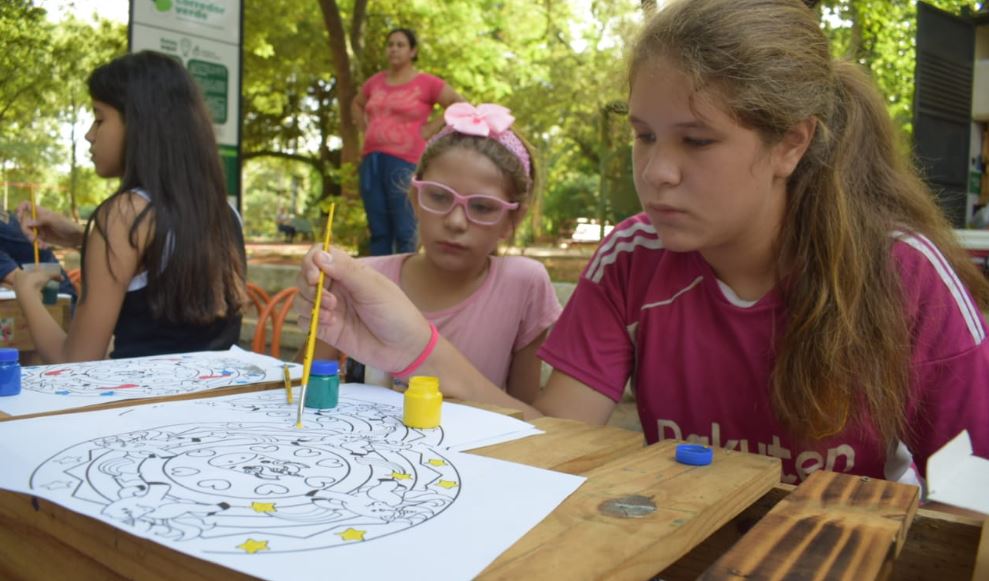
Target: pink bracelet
column 434, row 338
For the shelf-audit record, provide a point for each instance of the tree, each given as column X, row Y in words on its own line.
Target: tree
column 346, row 87
column 25, row 77
column 77, row 49
column 881, row 35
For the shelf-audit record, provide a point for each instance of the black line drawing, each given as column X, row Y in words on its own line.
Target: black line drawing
column 260, row 486
column 143, row 376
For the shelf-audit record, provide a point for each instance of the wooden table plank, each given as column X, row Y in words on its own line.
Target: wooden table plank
column 982, row 560
column 834, row 526
column 67, row 545
column 690, row 503
column 567, row 446
column 939, row 545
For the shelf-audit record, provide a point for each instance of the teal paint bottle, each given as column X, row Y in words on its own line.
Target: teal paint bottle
column 324, row 385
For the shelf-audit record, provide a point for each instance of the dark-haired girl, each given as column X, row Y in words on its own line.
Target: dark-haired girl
column 163, row 264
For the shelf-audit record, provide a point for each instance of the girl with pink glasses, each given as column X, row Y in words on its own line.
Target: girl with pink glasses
column 470, row 191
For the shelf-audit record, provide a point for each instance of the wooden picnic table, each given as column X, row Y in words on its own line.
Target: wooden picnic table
column 638, row 515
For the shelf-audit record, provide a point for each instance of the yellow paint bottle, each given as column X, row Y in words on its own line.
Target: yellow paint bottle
column 423, row 402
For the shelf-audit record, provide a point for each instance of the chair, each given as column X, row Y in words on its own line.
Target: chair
column 75, row 277
column 258, row 296
column 277, row 309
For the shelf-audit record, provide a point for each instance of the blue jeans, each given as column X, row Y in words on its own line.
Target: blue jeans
column 385, row 183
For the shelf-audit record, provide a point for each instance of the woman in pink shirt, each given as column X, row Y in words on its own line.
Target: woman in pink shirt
column 393, row 109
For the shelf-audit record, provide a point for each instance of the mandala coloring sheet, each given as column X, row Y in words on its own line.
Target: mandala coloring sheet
column 232, row 481
column 48, row 388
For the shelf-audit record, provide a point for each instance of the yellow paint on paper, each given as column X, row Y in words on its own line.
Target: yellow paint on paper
column 263, row 506
column 352, row 535
column 252, row 546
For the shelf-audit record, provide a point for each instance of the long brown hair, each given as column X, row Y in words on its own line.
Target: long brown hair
column 195, row 259
column 843, row 357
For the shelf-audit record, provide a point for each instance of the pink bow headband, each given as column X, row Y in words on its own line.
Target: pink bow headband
column 487, row 120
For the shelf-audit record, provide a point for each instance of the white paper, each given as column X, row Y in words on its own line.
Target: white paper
column 7, row 294
column 957, row 477
column 231, row 480
column 49, row 388
column 461, row 427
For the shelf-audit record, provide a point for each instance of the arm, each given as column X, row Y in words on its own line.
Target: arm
column 52, row 228
column 526, row 371
column 370, row 318
column 564, row 396
column 357, row 111
column 90, row 331
column 8, row 269
column 447, row 97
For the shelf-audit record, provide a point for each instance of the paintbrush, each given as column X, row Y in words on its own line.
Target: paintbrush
column 314, row 322
column 34, row 216
column 288, row 383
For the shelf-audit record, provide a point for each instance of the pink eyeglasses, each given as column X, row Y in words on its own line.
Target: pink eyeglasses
column 439, row 199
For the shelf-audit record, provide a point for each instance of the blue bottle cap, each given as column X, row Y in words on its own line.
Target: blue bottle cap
column 325, row 367
column 694, row 454
column 8, row 354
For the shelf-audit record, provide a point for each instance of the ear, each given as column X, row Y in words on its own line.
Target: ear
column 791, row 149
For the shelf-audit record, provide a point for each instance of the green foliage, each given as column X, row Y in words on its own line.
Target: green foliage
column 881, row 35
column 25, row 78
column 558, row 66
column 43, row 70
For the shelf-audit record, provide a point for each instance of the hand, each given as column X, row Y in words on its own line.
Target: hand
column 362, row 313
column 53, row 228
column 29, row 282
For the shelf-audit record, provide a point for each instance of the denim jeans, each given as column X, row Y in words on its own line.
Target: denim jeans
column 385, row 190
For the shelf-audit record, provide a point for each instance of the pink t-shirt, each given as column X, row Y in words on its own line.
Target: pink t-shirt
column 514, row 305
column 701, row 358
column 396, row 114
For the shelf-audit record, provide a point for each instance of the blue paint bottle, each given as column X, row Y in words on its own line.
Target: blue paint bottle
column 324, row 385
column 10, row 371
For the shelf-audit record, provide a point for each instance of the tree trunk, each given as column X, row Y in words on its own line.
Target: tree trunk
column 73, row 166
column 346, row 88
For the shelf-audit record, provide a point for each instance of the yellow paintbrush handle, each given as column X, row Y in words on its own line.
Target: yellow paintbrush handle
column 311, row 337
column 34, row 216
column 314, row 322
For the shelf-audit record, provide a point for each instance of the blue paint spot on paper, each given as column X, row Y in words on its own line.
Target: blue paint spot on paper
column 107, row 393
column 62, row 392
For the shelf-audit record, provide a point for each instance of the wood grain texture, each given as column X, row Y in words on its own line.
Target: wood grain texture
column 939, row 546
column 567, row 446
column 47, row 541
column 834, row 526
column 982, row 559
column 579, row 541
